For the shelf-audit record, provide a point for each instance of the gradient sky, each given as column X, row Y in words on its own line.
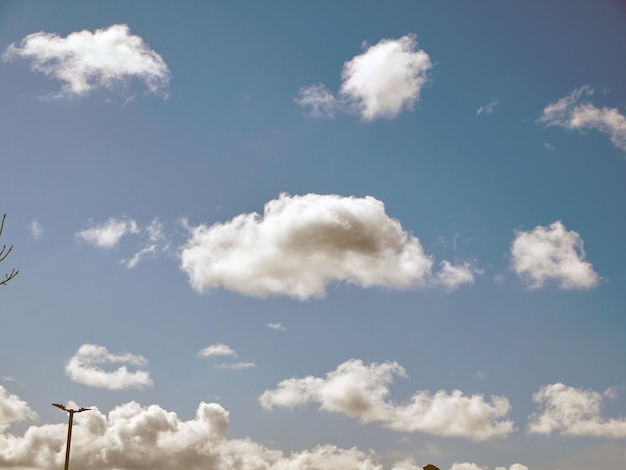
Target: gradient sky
column 336, row 235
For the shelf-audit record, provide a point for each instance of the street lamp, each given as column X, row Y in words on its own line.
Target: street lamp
column 69, row 429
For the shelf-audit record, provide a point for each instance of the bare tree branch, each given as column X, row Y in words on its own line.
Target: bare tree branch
column 3, row 254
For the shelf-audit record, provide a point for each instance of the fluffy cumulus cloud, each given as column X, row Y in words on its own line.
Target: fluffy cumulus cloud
column 85, row 367
column 86, row 60
column 302, row 243
column 132, row 436
column 383, row 81
column 109, row 233
column 574, row 412
column 13, row 409
column 360, row 391
column 552, row 253
column 574, row 113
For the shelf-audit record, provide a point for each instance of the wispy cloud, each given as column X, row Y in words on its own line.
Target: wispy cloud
column 574, row 412
column 276, row 326
column 36, row 229
column 572, row 113
column 235, row 365
column 218, row 349
column 84, row 368
column 300, row 244
column 109, row 233
column 360, row 391
column 87, row 60
column 552, row 253
column 488, row 108
column 383, row 81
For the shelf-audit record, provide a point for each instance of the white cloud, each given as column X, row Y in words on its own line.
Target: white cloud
column 552, row 253
column 473, row 466
column 134, row 436
column 137, row 257
column 85, row 60
column 218, row 349
column 276, row 326
column 360, row 391
column 235, row 365
column 488, row 108
column 84, row 368
column 570, row 113
column 36, row 229
column 13, row 409
column 381, row 82
column 302, row 243
column 452, row 276
column 574, row 412
column 108, row 234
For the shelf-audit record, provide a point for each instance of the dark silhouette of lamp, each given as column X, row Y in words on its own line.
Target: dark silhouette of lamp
column 69, row 429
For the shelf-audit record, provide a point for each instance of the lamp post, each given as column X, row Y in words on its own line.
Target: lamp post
column 69, row 429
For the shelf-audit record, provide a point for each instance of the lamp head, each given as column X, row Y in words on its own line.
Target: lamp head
column 59, row 406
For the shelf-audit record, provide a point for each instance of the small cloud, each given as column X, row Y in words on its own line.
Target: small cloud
column 572, row 113
column 276, row 326
column 574, row 412
column 548, row 146
column 488, row 108
column 552, row 253
column 84, row 368
column 218, row 349
column 108, row 234
column 382, row 82
column 88, row 60
column 36, row 229
column 452, row 277
column 235, row 365
column 7, row 378
column 481, row 374
column 137, row 257
column 320, row 102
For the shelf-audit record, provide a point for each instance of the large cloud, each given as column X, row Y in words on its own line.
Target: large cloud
column 574, row 412
column 381, row 82
column 571, row 113
column 360, row 391
column 13, row 409
column 133, row 437
column 552, row 253
column 84, row 367
column 86, row 60
column 300, row 244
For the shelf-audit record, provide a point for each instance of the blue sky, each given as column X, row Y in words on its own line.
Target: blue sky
column 333, row 235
